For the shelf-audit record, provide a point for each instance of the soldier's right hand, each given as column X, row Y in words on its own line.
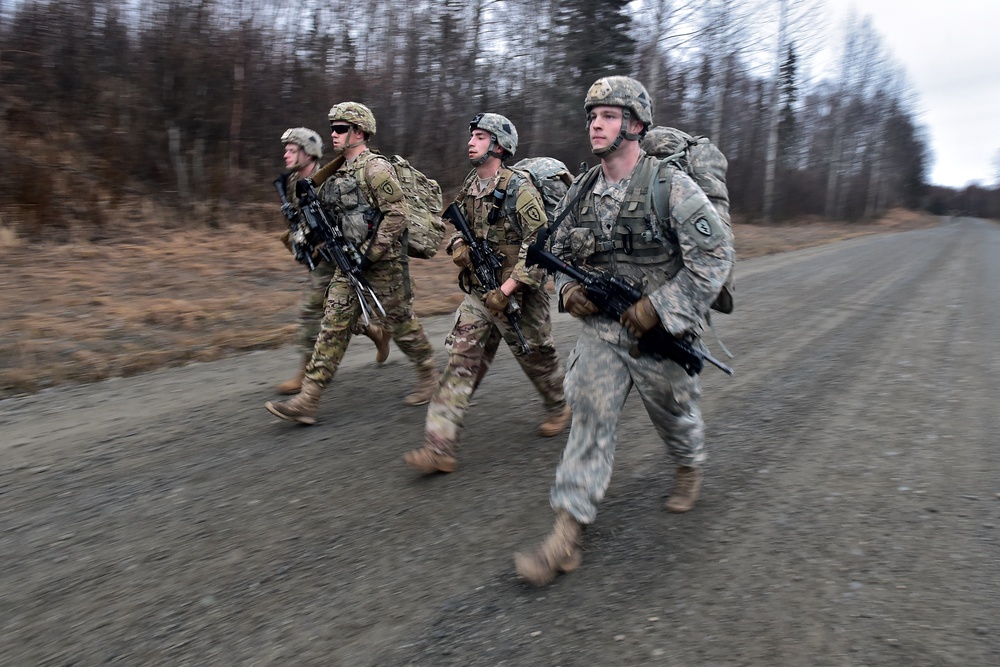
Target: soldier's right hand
column 286, row 239
column 460, row 255
column 575, row 301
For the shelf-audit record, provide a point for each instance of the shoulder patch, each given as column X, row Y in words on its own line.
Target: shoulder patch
column 382, row 181
column 705, row 229
column 530, row 208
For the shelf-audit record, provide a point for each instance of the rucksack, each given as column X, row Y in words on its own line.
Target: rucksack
column 424, row 226
column 549, row 176
column 702, row 160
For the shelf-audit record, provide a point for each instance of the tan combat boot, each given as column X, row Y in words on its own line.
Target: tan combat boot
column 427, row 382
column 431, row 459
column 560, row 552
column 555, row 423
column 292, row 386
column 301, row 408
column 687, row 489
column 380, row 336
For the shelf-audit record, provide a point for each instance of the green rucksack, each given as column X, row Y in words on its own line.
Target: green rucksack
column 424, row 226
column 702, row 160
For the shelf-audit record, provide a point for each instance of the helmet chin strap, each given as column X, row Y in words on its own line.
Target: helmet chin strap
column 307, row 168
column 488, row 154
column 623, row 133
column 302, row 165
column 338, row 151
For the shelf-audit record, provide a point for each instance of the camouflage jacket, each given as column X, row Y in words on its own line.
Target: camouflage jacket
column 681, row 260
column 511, row 235
column 369, row 201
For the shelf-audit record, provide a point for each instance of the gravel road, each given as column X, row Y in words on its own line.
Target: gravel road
column 851, row 510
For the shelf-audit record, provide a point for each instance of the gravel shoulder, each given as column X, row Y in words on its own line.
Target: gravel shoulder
column 850, row 513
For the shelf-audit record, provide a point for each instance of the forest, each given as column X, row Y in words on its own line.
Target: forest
column 182, row 103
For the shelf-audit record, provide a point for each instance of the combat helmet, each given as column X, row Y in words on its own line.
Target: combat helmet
column 502, row 133
column 624, row 92
column 309, row 141
column 356, row 114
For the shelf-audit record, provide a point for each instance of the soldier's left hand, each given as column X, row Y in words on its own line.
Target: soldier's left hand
column 496, row 301
column 640, row 317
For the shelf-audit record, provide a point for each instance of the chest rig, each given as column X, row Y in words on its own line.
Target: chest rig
column 494, row 217
column 345, row 195
column 639, row 239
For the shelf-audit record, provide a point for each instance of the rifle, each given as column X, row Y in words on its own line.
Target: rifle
column 613, row 295
column 485, row 265
column 296, row 237
column 326, row 238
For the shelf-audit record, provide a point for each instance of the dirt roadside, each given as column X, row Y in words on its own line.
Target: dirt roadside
column 82, row 312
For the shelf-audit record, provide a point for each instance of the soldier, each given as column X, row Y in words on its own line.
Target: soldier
column 303, row 151
column 364, row 193
column 509, row 223
column 680, row 259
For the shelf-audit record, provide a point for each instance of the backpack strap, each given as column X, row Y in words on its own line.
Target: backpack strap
column 586, row 182
column 506, row 185
column 660, row 183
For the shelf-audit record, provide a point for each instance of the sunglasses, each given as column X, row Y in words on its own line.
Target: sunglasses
column 340, row 129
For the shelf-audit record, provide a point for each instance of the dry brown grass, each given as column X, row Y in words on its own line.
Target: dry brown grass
column 87, row 311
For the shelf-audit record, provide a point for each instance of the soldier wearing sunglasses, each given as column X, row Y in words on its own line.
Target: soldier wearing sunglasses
column 303, row 151
column 367, row 199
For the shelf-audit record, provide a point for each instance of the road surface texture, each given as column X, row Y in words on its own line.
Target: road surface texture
column 851, row 509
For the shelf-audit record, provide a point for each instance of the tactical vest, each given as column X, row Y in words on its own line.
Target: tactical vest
column 637, row 238
column 346, row 197
column 501, row 226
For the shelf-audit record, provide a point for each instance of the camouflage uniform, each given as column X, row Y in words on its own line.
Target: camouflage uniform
column 681, row 266
column 359, row 192
column 311, row 308
column 474, row 339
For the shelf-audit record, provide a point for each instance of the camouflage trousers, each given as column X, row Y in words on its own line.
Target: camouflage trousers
column 391, row 283
column 472, row 346
column 313, row 305
column 600, row 377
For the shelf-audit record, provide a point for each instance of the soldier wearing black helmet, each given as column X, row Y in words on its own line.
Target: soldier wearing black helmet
column 303, row 151
column 509, row 223
column 680, row 259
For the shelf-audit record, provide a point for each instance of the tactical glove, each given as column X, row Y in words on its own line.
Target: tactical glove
column 575, row 301
column 460, row 255
column 640, row 317
column 286, row 239
column 496, row 301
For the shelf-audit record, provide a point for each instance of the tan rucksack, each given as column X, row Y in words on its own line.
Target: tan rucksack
column 424, row 226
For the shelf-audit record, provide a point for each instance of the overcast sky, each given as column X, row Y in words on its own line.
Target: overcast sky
column 951, row 53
